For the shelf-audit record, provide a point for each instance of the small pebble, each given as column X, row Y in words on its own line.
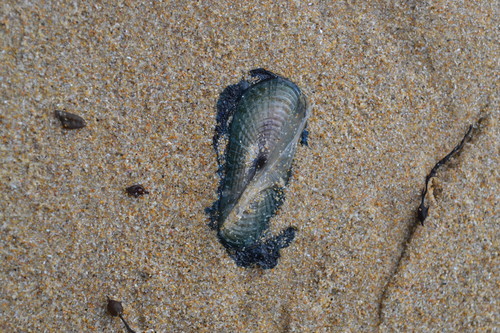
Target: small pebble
column 136, row 190
column 115, row 309
column 69, row 120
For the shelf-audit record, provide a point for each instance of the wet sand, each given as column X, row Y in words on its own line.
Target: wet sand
column 394, row 89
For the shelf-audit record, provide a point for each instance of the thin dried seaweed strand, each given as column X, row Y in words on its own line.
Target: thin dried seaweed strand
column 423, row 209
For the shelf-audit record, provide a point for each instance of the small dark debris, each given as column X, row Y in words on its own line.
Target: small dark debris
column 136, row 190
column 70, row 120
column 262, row 74
column 423, row 209
column 264, row 254
column 304, row 138
column 115, row 309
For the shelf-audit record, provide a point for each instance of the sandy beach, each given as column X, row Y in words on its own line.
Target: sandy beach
column 394, row 87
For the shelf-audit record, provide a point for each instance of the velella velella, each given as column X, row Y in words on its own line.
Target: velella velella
column 262, row 120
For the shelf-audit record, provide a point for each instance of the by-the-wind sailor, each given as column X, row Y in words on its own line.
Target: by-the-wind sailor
column 262, row 120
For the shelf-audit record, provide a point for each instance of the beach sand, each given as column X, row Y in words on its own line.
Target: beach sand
column 394, row 86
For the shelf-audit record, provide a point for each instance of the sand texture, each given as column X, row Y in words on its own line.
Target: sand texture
column 394, row 86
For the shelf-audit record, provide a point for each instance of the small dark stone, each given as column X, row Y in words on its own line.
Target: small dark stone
column 115, row 308
column 136, row 190
column 70, row 120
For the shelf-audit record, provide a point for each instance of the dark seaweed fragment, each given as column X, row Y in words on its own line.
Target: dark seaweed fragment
column 423, row 209
column 115, row 309
column 136, row 190
column 422, row 213
column 70, row 120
